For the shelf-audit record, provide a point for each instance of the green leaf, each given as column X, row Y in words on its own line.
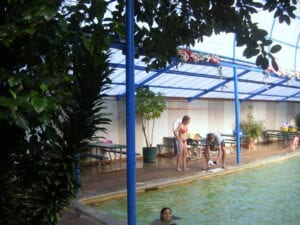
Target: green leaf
column 29, row 30
column 14, row 81
column 21, row 121
column 274, row 65
column 275, row 48
column 39, row 104
column 8, row 102
column 262, row 61
column 43, row 87
column 13, row 93
column 259, row 59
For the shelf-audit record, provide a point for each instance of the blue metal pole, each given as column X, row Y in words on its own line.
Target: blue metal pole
column 130, row 114
column 237, row 117
column 237, row 109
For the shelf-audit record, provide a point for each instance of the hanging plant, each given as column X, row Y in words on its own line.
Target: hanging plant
column 280, row 73
column 187, row 55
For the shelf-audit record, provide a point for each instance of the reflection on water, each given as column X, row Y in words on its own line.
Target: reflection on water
column 268, row 194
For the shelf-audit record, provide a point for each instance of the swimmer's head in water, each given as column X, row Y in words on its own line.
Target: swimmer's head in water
column 165, row 214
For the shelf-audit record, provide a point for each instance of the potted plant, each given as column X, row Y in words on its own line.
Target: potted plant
column 252, row 129
column 149, row 107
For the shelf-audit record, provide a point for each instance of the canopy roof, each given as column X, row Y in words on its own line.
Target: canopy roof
column 192, row 79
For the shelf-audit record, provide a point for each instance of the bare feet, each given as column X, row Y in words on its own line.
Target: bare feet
column 178, row 169
column 186, row 169
column 207, row 167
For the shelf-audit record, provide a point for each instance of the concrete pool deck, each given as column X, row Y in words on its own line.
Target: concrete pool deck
column 108, row 185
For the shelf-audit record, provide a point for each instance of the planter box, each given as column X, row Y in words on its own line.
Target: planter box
column 149, row 154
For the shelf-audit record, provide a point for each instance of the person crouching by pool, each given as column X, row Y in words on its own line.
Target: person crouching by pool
column 212, row 140
column 165, row 218
column 181, row 135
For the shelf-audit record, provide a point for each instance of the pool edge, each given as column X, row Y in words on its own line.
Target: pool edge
column 82, row 205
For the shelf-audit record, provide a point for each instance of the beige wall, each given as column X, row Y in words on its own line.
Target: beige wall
column 206, row 116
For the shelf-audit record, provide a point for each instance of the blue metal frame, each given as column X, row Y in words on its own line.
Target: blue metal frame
column 158, row 73
column 130, row 114
column 291, row 96
column 252, row 68
column 237, row 117
column 236, row 106
column 226, row 62
column 199, row 89
column 216, row 77
column 262, row 91
column 216, row 86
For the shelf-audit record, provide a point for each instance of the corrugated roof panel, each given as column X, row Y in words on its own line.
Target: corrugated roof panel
column 205, row 83
column 242, row 86
column 250, row 88
column 175, row 80
column 117, row 57
column 201, row 69
column 192, row 68
column 190, row 80
column 293, row 99
column 256, row 76
column 175, row 92
column 141, row 76
column 283, row 91
column 226, row 95
column 115, row 90
column 292, row 82
column 268, row 98
column 228, row 71
column 118, row 75
column 166, row 79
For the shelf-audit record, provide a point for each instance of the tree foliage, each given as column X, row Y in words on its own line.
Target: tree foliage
column 163, row 25
column 52, row 70
column 149, row 107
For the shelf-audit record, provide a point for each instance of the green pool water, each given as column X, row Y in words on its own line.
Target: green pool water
column 264, row 195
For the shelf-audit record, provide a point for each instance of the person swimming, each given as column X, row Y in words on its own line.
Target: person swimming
column 166, row 218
